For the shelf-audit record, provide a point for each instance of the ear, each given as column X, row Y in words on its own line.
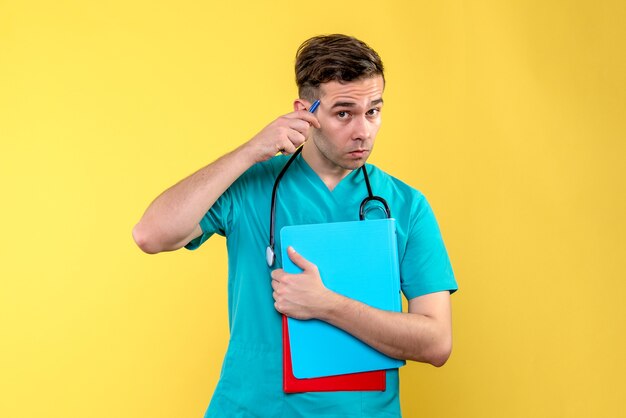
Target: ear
column 301, row 104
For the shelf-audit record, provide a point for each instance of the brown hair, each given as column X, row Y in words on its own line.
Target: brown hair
column 336, row 57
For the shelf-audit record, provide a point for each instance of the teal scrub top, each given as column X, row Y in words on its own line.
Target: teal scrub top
column 250, row 383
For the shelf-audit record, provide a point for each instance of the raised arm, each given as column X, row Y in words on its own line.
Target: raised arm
column 172, row 219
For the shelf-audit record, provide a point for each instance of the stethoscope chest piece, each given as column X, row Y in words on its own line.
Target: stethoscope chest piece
column 270, row 257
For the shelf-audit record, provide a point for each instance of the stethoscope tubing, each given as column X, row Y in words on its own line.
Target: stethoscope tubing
column 270, row 255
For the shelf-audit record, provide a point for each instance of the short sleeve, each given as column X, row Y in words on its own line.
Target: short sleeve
column 218, row 220
column 425, row 267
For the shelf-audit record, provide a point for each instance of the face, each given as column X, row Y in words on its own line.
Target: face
column 350, row 116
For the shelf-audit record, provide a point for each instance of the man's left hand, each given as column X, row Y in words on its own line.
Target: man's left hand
column 303, row 295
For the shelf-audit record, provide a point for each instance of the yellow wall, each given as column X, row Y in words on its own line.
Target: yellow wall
column 508, row 115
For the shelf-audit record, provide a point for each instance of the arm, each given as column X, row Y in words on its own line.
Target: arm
column 172, row 219
column 423, row 334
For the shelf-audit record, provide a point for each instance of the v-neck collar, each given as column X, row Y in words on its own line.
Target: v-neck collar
column 345, row 184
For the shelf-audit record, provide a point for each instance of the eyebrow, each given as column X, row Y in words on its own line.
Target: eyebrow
column 352, row 104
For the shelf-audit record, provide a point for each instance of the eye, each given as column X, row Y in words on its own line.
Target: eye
column 342, row 114
column 373, row 112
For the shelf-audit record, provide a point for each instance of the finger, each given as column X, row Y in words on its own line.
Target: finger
column 312, row 119
column 300, row 126
column 299, row 261
column 277, row 274
column 277, row 285
column 296, row 138
column 305, row 116
column 285, row 147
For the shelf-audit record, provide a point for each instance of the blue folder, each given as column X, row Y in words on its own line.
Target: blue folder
column 356, row 259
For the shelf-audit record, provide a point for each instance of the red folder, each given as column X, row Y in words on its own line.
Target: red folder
column 366, row 381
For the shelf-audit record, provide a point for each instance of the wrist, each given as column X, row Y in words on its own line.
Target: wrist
column 245, row 153
column 330, row 306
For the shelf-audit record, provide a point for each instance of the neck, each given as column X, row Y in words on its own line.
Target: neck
column 330, row 173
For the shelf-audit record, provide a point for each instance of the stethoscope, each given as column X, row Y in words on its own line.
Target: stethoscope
column 270, row 255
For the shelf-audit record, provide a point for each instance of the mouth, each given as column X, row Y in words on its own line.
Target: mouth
column 359, row 153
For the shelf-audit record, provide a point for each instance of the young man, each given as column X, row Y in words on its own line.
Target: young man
column 231, row 197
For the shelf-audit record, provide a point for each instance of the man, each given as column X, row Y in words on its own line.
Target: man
column 231, row 197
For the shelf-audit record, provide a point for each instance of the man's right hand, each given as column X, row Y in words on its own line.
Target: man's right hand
column 285, row 134
column 172, row 219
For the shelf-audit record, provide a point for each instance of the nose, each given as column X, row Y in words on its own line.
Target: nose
column 360, row 128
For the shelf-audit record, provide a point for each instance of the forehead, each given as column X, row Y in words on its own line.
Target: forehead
column 357, row 91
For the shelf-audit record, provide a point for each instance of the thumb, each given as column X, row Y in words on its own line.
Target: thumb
column 298, row 260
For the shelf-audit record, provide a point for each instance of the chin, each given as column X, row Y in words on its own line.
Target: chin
column 354, row 164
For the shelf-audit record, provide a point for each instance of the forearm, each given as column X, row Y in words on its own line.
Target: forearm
column 171, row 221
column 423, row 334
column 407, row 336
column 173, row 216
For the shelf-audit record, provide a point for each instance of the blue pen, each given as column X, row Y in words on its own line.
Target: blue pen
column 314, row 106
